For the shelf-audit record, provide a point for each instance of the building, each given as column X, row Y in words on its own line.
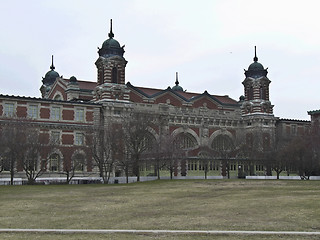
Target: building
column 205, row 123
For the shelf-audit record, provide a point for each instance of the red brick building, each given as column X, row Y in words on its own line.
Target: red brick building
column 206, row 122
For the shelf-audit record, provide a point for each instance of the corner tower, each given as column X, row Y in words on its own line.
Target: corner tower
column 111, row 71
column 48, row 80
column 257, row 110
column 256, row 89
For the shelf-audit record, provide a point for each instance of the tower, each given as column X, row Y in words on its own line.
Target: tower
column 256, row 89
column 111, row 71
column 257, row 110
column 48, row 80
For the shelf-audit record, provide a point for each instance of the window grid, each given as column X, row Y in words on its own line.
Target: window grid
column 55, row 113
column 55, row 137
column 9, row 110
column 80, row 114
column 79, row 139
column 33, row 111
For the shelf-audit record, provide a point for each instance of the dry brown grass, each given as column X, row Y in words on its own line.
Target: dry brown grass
column 182, row 204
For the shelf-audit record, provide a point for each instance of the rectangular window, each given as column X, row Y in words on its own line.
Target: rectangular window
column 9, row 110
column 117, row 112
column 55, row 113
column 79, row 139
column 80, row 115
column 55, row 137
column 33, row 111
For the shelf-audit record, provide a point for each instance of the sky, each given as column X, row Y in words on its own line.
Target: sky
column 208, row 42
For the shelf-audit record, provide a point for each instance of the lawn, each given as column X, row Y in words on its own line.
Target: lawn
column 177, row 204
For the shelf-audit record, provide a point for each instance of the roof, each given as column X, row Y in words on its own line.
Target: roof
column 45, row 100
column 186, row 96
column 314, row 112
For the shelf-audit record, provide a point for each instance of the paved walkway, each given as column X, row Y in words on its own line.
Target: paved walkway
column 8, row 230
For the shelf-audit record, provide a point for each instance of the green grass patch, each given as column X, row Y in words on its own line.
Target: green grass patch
column 166, row 204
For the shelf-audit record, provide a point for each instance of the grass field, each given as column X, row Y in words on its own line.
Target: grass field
column 179, row 204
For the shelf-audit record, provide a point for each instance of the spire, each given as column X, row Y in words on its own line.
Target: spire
column 111, row 35
column 177, row 87
column 255, row 54
column 177, row 82
column 52, row 67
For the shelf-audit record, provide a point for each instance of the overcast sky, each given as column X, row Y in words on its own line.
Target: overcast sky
column 209, row 43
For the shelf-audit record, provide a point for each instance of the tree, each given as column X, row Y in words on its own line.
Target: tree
column 224, row 149
column 23, row 148
column 136, row 138
column 104, row 143
column 170, row 151
column 35, row 148
column 14, row 145
column 301, row 154
column 205, row 159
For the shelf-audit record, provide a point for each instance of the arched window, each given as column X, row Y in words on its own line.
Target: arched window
column 58, row 97
column 149, row 142
column 250, row 93
column 114, row 76
column 54, row 163
column 263, row 93
column 185, row 141
column 222, row 143
column 78, row 162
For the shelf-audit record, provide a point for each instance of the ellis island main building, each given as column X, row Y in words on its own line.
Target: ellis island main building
column 210, row 130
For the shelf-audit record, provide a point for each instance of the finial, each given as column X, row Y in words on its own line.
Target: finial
column 111, row 35
column 177, row 82
column 52, row 67
column 255, row 54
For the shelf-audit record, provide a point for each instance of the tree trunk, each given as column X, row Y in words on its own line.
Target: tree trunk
column 127, row 175
column 11, row 172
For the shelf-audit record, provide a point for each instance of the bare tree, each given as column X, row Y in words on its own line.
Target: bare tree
column 104, row 144
column 75, row 164
column 224, row 150
column 303, row 154
column 137, row 138
column 172, row 151
column 22, row 147
column 35, row 158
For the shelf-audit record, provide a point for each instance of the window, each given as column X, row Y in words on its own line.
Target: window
column 222, row 143
column 185, row 141
column 33, row 111
column 80, row 115
column 78, row 162
column 58, row 97
column 117, row 112
column 54, row 163
column 79, row 139
column 114, row 78
column 55, row 113
column 55, row 137
column 9, row 109
column 250, row 93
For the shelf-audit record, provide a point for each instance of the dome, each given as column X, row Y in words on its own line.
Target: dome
column 256, row 69
column 255, row 66
column 177, row 87
column 50, row 76
column 111, row 43
column 73, row 79
column 111, row 47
